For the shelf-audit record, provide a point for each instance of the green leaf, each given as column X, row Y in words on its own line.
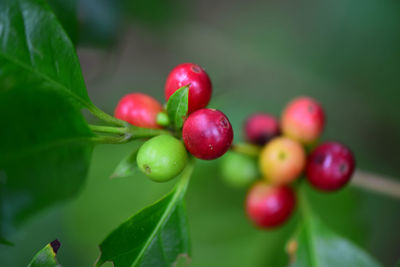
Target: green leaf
column 66, row 12
column 46, row 149
column 319, row 246
column 177, row 106
column 45, row 142
column 46, row 257
column 127, row 166
column 4, row 241
column 156, row 236
column 34, row 47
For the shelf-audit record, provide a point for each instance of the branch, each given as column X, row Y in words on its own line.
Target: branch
column 125, row 134
column 246, row 149
column 376, row 183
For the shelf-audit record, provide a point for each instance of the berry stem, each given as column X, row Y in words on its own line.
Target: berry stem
column 111, row 139
column 307, row 214
column 108, row 129
column 126, row 134
column 246, row 149
column 105, row 117
column 376, row 183
column 185, row 176
column 304, row 206
column 137, row 132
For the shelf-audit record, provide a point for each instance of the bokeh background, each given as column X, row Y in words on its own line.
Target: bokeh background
column 260, row 55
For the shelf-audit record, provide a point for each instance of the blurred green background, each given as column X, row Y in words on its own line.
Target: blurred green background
column 260, row 55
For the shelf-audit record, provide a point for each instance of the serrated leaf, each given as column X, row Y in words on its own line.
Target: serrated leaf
column 318, row 246
column 127, row 166
column 177, row 106
column 45, row 142
column 156, row 236
column 46, row 257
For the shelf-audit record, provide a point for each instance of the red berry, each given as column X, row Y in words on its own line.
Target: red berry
column 260, row 128
column 303, row 120
column 269, row 206
column 330, row 166
column 207, row 133
column 200, row 84
column 138, row 109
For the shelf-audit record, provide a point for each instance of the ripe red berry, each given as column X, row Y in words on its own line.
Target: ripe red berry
column 207, row 133
column 200, row 84
column 269, row 206
column 330, row 166
column 138, row 109
column 303, row 120
column 259, row 128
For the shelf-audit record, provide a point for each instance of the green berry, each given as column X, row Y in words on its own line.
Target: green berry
column 239, row 170
column 162, row 158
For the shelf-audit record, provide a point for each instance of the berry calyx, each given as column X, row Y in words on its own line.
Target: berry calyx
column 269, row 206
column 259, row 128
column 139, row 109
column 207, row 134
column 163, row 119
column 238, row 170
column 162, row 158
column 303, row 120
column 282, row 160
column 330, row 166
column 200, row 89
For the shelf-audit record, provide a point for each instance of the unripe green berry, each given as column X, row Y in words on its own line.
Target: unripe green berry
column 162, row 158
column 239, row 170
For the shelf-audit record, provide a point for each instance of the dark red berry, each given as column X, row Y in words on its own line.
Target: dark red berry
column 269, row 206
column 200, row 84
column 259, row 128
column 207, row 133
column 138, row 109
column 330, row 166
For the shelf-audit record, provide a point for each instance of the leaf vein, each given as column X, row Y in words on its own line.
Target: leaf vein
column 61, row 87
column 162, row 248
column 26, row 37
column 163, row 219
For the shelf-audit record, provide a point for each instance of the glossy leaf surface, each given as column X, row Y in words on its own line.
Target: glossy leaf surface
column 177, row 106
column 35, row 48
column 45, row 142
column 156, row 236
column 66, row 12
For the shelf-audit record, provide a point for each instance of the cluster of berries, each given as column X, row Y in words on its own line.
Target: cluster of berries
column 207, row 133
column 282, row 159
